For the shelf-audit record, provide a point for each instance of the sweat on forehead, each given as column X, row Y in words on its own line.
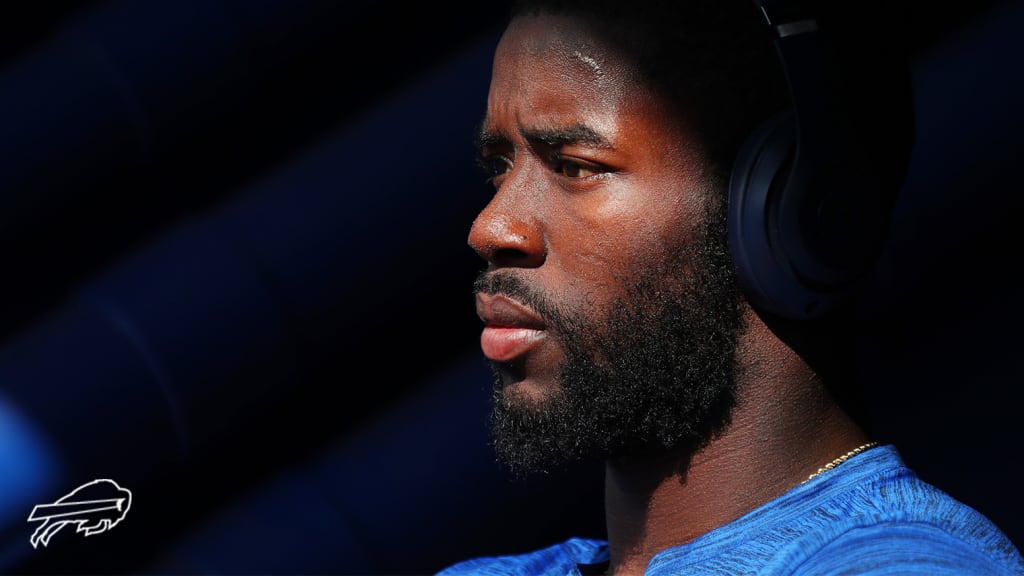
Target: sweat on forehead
column 568, row 42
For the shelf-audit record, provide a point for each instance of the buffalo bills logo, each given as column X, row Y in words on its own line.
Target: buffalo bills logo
column 94, row 507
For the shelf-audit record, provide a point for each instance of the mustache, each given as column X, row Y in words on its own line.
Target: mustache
column 514, row 287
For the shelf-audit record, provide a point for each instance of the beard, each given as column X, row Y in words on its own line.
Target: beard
column 655, row 372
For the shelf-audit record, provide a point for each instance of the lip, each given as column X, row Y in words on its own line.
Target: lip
column 511, row 328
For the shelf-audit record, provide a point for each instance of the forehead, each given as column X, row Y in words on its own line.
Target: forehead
column 567, row 38
column 551, row 60
column 555, row 73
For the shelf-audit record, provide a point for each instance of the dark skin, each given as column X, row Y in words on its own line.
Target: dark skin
column 595, row 175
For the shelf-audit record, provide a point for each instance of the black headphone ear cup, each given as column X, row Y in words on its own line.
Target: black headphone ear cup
column 802, row 232
column 756, row 234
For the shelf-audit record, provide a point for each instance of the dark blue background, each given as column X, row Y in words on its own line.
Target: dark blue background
column 235, row 281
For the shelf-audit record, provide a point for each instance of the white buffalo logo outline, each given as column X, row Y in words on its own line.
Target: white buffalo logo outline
column 94, row 507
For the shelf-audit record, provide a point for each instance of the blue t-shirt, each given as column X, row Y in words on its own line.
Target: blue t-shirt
column 871, row 515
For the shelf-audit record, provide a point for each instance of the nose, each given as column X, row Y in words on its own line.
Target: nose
column 507, row 232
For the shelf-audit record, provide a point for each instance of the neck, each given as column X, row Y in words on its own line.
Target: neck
column 783, row 429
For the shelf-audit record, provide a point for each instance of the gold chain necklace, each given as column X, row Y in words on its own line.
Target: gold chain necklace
column 841, row 459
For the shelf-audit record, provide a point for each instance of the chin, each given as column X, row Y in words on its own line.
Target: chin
column 527, row 395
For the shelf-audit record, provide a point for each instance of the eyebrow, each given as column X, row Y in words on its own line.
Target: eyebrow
column 553, row 137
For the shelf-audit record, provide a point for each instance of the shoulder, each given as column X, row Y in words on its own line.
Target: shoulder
column 913, row 547
column 891, row 521
column 556, row 560
column 872, row 515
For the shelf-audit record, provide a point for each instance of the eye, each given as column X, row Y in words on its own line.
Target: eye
column 575, row 169
column 494, row 166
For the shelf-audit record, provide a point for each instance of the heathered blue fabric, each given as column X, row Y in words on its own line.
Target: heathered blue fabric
column 870, row 516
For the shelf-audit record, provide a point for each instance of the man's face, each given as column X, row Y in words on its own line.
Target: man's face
column 610, row 311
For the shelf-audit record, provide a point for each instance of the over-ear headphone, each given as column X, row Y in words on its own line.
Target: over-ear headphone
column 808, row 209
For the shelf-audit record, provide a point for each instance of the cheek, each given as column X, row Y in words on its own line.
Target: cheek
column 627, row 232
